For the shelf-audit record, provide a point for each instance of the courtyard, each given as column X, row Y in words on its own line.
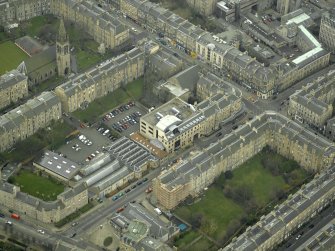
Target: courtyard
column 237, row 199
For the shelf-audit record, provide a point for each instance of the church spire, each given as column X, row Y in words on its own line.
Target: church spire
column 62, row 36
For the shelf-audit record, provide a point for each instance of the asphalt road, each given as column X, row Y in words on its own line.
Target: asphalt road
column 319, row 222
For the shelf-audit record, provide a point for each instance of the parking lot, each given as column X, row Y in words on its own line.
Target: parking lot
column 124, row 119
column 81, row 150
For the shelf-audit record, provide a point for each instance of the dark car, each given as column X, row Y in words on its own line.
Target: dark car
column 2, row 215
column 133, row 187
column 139, row 182
column 145, row 180
column 127, row 190
column 218, row 134
column 73, row 235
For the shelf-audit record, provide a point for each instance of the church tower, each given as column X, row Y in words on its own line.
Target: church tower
column 63, row 51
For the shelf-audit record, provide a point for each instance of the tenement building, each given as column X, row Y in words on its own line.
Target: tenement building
column 13, row 86
column 327, row 30
column 21, row 10
column 313, row 103
column 272, row 129
column 204, row 7
column 102, row 26
column 25, row 120
column 275, row 227
column 223, row 56
column 176, row 123
column 80, row 90
column 45, row 211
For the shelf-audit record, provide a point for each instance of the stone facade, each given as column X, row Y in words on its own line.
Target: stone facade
column 21, row 10
column 224, row 57
column 102, row 26
column 82, row 89
column 13, row 86
column 204, row 7
column 286, row 137
column 273, row 228
column 47, row 212
column 327, row 30
column 313, row 103
column 63, row 51
column 25, row 120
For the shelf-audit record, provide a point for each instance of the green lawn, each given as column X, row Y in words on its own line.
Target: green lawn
column 185, row 239
column 201, row 245
column 38, row 186
column 225, row 213
column 258, row 179
column 135, row 88
column 11, row 56
column 214, row 206
column 86, row 59
column 100, row 106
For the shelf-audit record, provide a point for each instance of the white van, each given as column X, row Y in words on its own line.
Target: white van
column 105, row 132
column 158, row 211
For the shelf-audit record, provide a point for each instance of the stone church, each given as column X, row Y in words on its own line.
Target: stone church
column 51, row 61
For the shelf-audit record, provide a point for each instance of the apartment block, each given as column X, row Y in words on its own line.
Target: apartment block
column 21, row 10
column 23, row 121
column 101, row 25
column 67, row 202
column 313, row 103
column 79, row 90
column 273, row 228
column 327, row 30
column 13, row 87
column 192, row 175
column 204, row 7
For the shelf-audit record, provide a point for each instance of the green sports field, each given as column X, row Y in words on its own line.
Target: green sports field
column 11, row 56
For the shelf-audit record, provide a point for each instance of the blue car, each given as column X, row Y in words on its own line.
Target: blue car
column 114, row 198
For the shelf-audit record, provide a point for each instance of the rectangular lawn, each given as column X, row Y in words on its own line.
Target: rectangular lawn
column 214, row 206
column 11, row 56
column 38, row 186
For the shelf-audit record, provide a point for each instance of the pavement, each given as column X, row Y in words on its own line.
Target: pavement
column 318, row 222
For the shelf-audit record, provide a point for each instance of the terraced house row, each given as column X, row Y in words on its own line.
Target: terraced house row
column 13, row 86
column 39, row 112
column 283, row 135
column 102, row 26
column 97, row 82
column 247, row 71
column 25, row 120
column 313, row 103
column 20, row 10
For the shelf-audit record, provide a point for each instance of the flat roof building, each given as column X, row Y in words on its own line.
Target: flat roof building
column 58, row 166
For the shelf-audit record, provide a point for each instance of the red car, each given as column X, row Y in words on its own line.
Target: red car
column 119, row 210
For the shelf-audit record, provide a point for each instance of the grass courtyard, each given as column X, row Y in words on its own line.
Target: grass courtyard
column 11, row 56
column 242, row 198
column 37, row 186
column 97, row 108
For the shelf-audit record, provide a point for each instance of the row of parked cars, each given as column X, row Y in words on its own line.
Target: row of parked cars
column 118, row 110
column 106, row 132
column 127, row 122
column 92, row 156
column 120, row 194
column 85, row 140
